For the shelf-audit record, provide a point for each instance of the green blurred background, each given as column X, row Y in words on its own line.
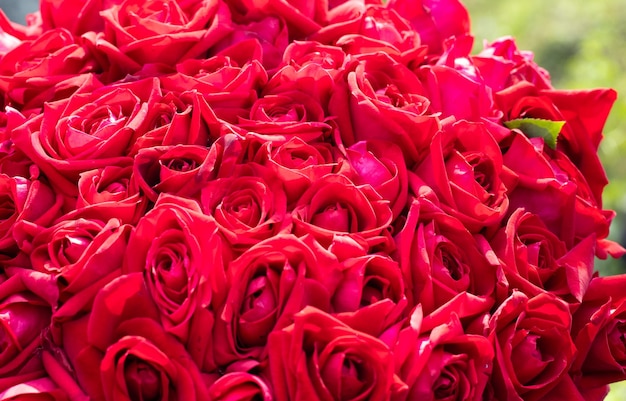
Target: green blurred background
column 581, row 43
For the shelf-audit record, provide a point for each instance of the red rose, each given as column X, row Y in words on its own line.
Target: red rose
column 24, row 200
column 267, row 285
column 77, row 16
column 179, row 251
column 378, row 98
column 445, row 364
column 534, row 350
column 435, row 21
column 122, row 353
column 319, row 358
column 140, row 31
column 43, row 389
column 45, row 69
column 598, row 328
column 240, row 386
column 333, row 205
column 464, row 168
column 111, row 193
column 534, row 259
column 300, row 54
column 440, row 258
column 86, row 131
column 248, row 207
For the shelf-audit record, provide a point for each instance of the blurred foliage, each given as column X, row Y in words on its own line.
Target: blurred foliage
column 581, row 44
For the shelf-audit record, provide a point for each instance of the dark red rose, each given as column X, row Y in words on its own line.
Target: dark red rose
column 378, row 98
column 240, row 386
column 45, row 69
column 534, row 259
column 119, row 352
column 333, row 205
column 267, row 285
column 464, row 168
column 163, row 31
column 180, row 253
column 533, row 347
column 435, row 21
column 248, row 207
column 440, row 258
column 444, row 364
column 86, row 131
column 599, row 327
column 319, row 358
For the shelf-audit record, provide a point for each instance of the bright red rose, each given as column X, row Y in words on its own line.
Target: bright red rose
column 162, row 31
column 122, row 353
column 465, row 169
column 445, row 364
column 240, row 386
column 534, row 259
column 77, row 16
column 434, row 20
column 379, row 98
column 24, row 200
column 180, row 253
column 86, row 131
column 43, row 389
column 440, row 258
column 319, row 358
column 333, row 205
column 533, row 346
column 48, row 68
column 267, row 285
column 248, row 207
column 598, row 328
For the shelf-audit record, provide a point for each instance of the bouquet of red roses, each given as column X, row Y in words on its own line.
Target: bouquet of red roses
column 291, row 200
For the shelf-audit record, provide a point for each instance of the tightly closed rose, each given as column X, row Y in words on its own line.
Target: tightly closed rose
column 534, row 350
column 445, row 364
column 267, row 285
column 465, row 169
column 86, row 131
column 319, row 358
column 378, row 98
column 142, row 32
column 179, row 251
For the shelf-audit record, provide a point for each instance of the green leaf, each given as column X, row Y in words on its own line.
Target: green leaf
column 538, row 128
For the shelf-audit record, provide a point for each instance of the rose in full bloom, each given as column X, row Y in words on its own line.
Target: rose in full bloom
column 533, row 346
column 161, row 31
column 319, row 358
column 76, row 16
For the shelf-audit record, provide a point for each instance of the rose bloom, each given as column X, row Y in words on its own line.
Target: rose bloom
column 120, row 351
column 443, row 364
column 267, row 285
column 85, row 131
column 319, row 358
column 376, row 97
column 533, row 346
column 240, row 386
column 179, row 251
column 43, row 389
column 465, row 169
